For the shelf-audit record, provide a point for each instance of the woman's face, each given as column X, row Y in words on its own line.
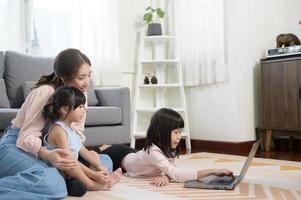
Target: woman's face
column 82, row 78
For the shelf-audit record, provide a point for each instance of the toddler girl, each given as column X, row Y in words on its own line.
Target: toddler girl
column 67, row 105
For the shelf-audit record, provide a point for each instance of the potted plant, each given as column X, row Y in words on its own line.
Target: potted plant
column 151, row 18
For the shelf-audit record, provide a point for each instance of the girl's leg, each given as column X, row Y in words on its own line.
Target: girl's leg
column 106, row 161
column 117, row 152
column 80, row 173
column 23, row 176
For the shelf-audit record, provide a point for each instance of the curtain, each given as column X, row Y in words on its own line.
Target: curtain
column 199, row 27
column 89, row 25
column 12, row 23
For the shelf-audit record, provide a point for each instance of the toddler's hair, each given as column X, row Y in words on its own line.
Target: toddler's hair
column 163, row 122
column 63, row 96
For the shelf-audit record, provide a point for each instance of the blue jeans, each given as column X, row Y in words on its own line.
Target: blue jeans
column 23, row 176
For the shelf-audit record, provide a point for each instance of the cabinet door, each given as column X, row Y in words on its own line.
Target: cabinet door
column 280, row 94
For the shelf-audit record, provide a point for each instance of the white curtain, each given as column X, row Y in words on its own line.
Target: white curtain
column 199, row 27
column 12, row 23
column 89, row 25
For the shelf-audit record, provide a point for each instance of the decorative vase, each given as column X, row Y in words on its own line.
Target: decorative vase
column 146, row 80
column 154, row 29
column 154, row 80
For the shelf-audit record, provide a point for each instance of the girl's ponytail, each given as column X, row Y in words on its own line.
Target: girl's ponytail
column 49, row 79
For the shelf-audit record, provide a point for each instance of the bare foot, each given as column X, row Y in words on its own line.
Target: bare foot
column 104, row 146
column 99, row 187
column 116, row 176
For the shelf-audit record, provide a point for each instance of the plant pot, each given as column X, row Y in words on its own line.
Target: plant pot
column 154, row 29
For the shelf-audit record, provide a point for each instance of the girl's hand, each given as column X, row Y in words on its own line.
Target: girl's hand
column 60, row 158
column 222, row 172
column 101, row 177
column 160, row 181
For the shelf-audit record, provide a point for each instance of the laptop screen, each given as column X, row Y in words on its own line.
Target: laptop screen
column 248, row 161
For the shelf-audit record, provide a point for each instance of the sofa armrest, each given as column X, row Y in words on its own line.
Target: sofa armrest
column 119, row 97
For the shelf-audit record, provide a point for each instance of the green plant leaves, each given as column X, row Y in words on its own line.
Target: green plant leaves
column 160, row 12
column 148, row 16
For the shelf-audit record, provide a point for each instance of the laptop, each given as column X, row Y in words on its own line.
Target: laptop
column 224, row 182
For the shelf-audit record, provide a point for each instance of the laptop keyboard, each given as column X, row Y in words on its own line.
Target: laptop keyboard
column 221, row 180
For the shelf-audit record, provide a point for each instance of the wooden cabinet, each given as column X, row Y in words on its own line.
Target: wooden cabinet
column 281, row 90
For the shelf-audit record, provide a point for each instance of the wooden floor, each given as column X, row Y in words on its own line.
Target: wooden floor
column 280, row 155
column 282, row 150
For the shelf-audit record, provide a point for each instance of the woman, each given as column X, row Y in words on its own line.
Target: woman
column 27, row 169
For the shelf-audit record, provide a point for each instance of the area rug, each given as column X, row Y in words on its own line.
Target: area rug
column 265, row 179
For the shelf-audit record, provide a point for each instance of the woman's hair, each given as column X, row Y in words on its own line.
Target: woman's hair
column 63, row 96
column 66, row 65
column 163, row 122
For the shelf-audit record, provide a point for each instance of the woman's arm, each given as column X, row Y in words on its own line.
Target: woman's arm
column 30, row 120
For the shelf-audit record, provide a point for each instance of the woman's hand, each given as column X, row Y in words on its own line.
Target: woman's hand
column 62, row 159
column 160, row 181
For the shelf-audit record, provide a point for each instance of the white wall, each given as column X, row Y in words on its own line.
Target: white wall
column 228, row 112
column 224, row 112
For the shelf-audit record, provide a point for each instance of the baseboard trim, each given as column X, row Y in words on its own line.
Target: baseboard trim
column 236, row 148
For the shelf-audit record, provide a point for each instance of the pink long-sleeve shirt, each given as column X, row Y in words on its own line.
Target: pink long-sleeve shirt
column 30, row 121
column 154, row 163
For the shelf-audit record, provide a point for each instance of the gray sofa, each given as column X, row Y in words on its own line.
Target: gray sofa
column 108, row 113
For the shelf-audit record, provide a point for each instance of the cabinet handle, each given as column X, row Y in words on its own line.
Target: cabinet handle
column 300, row 92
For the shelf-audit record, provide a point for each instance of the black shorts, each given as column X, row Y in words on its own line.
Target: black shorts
column 117, row 152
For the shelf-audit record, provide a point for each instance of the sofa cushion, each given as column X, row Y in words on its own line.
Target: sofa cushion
column 21, row 68
column 92, row 98
column 27, row 87
column 6, row 115
column 4, row 102
column 99, row 116
column 2, row 58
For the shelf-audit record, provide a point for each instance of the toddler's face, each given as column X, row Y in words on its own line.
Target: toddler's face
column 77, row 114
column 175, row 137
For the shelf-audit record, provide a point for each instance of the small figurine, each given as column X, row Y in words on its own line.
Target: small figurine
column 154, row 80
column 146, row 80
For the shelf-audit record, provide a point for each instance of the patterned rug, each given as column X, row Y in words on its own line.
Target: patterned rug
column 266, row 179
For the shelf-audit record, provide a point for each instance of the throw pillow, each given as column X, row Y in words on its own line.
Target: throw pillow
column 20, row 68
column 2, row 57
column 92, row 98
column 27, row 87
column 4, row 102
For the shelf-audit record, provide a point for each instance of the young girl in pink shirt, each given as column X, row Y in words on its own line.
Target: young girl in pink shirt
column 157, row 158
column 67, row 106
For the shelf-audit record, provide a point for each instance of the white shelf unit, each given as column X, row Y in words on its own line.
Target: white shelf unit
column 160, row 64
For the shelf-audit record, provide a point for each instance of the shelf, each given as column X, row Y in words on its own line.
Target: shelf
column 154, row 109
column 159, row 38
column 170, row 85
column 160, row 62
column 142, row 134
